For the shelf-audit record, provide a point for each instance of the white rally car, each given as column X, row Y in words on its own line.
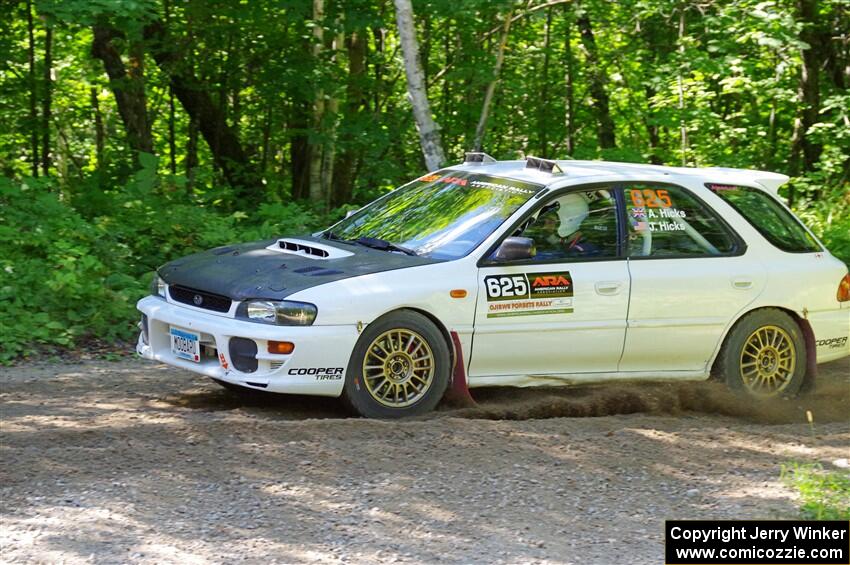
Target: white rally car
column 517, row 273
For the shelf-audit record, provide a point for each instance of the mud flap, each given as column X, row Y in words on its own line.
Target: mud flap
column 458, row 393
column 811, row 356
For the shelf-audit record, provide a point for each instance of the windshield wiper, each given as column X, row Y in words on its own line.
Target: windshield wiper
column 371, row 242
column 383, row 245
column 334, row 237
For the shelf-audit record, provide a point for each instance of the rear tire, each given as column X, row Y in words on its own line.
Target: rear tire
column 764, row 356
column 399, row 367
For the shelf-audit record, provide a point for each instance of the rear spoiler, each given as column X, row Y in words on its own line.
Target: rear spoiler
column 770, row 181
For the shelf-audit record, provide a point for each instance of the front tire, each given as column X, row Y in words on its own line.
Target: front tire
column 764, row 356
column 399, row 367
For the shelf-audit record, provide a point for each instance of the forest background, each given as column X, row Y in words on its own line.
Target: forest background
column 137, row 131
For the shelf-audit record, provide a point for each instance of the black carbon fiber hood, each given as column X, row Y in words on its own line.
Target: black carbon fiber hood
column 249, row 270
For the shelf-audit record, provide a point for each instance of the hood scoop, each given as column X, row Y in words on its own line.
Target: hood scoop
column 308, row 249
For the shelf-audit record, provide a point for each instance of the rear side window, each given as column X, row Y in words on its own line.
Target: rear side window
column 770, row 218
column 667, row 221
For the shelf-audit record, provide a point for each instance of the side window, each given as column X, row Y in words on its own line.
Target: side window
column 774, row 222
column 666, row 220
column 574, row 225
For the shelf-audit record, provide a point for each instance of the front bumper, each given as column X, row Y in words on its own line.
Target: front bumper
column 316, row 366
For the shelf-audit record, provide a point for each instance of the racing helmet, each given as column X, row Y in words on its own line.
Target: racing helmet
column 572, row 211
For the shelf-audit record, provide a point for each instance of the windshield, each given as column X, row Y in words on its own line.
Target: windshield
column 443, row 215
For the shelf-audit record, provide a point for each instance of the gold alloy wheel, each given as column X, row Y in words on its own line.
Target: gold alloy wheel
column 398, row 368
column 768, row 361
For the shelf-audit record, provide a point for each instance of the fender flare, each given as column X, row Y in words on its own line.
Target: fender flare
column 808, row 338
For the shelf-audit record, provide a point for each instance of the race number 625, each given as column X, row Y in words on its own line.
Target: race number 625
column 506, row 286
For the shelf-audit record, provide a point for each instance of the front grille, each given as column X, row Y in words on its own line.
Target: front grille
column 199, row 298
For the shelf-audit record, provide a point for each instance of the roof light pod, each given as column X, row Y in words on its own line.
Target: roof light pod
column 477, row 157
column 543, row 165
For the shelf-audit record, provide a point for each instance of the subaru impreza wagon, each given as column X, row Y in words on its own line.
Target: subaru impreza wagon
column 516, row 273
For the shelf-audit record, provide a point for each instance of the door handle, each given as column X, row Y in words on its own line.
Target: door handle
column 741, row 283
column 608, row 288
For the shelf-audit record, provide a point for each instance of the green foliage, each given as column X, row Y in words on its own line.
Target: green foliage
column 824, row 495
column 716, row 84
column 73, row 269
column 830, row 220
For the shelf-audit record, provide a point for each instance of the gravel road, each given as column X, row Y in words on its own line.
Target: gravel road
column 114, row 462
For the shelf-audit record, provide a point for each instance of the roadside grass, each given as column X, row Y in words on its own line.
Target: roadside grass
column 824, row 495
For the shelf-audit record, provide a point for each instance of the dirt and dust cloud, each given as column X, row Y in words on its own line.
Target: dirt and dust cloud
column 828, row 402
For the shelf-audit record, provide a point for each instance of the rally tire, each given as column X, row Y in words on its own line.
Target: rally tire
column 399, row 367
column 764, row 356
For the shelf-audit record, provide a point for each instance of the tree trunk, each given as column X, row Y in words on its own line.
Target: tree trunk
column 683, row 129
column 569, row 65
column 99, row 134
column 127, row 87
column 429, row 131
column 542, row 116
column 658, row 44
column 267, row 132
column 299, row 111
column 491, row 88
column 805, row 152
column 770, row 160
column 236, row 99
column 228, row 153
column 425, row 54
column 836, row 43
column 331, row 121
column 299, row 150
column 316, row 153
column 33, row 117
column 191, row 153
column 47, row 101
column 172, row 141
column 598, row 83
column 652, row 129
column 355, row 102
column 379, row 35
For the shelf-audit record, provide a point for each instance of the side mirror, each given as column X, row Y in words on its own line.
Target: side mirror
column 515, row 249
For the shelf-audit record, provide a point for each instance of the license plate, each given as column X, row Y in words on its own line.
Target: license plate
column 185, row 344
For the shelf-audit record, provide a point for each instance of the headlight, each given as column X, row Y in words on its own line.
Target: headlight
column 280, row 312
column 158, row 286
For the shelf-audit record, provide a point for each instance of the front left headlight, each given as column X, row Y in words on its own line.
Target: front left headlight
column 279, row 312
column 158, row 286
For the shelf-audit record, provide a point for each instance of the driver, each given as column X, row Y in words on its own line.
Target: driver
column 569, row 213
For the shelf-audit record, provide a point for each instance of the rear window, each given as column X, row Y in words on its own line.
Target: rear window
column 771, row 219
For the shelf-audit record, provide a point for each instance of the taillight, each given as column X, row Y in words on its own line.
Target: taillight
column 843, row 294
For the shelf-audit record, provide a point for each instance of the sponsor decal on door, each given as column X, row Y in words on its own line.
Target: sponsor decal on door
column 529, row 294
